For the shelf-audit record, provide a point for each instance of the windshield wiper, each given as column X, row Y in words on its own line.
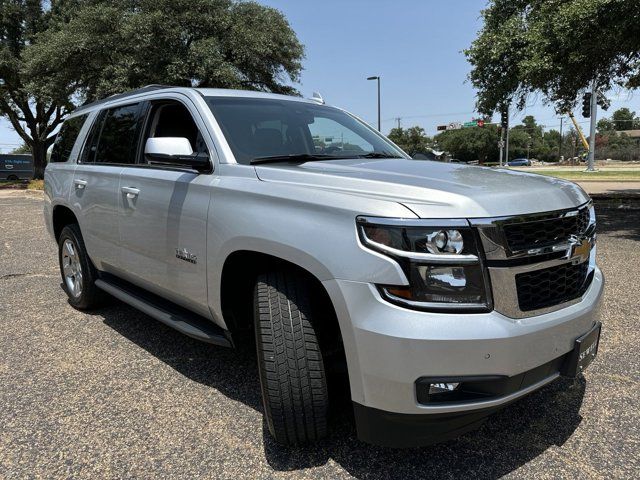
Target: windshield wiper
column 295, row 157
column 378, row 155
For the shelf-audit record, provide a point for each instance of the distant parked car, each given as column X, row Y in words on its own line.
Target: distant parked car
column 520, row 162
column 16, row 167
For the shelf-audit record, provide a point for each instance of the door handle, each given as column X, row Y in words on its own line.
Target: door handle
column 130, row 191
column 80, row 184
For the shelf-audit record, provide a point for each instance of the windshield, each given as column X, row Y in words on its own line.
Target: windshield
column 260, row 128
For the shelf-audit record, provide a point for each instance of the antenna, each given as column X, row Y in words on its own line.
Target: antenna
column 317, row 98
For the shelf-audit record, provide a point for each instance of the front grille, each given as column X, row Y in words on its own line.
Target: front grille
column 545, row 230
column 551, row 286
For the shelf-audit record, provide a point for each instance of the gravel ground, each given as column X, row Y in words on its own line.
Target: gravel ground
column 115, row 394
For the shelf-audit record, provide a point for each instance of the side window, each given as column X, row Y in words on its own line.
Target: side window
column 91, row 145
column 66, row 138
column 119, row 134
column 173, row 119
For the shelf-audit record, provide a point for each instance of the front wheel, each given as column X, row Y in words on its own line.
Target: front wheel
column 292, row 376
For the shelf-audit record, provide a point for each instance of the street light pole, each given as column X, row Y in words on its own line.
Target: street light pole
column 592, row 129
column 378, row 79
column 560, row 146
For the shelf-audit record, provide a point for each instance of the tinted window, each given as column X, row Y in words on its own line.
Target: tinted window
column 119, row 134
column 91, row 145
column 172, row 119
column 66, row 138
column 257, row 128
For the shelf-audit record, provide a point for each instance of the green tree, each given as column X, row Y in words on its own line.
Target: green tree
column 33, row 117
column 625, row 119
column 468, row 144
column 556, row 47
column 57, row 54
column 606, row 125
column 550, row 150
column 412, row 140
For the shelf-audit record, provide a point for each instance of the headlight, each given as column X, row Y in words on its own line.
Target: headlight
column 440, row 259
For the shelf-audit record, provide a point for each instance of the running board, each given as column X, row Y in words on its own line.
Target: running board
column 167, row 312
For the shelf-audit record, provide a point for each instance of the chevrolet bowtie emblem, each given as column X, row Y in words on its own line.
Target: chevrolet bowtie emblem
column 579, row 249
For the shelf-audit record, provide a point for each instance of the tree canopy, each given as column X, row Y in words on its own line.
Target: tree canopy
column 412, row 140
column 468, row 144
column 622, row 119
column 58, row 54
column 556, row 47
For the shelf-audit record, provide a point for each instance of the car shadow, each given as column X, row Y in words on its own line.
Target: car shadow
column 618, row 218
column 508, row 440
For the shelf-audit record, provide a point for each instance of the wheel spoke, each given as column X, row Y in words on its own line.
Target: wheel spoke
column 67, row 269
column 69, row 248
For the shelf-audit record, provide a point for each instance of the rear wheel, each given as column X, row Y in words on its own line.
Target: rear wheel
column 292, row 376
column 12, row 178
column 78, row 273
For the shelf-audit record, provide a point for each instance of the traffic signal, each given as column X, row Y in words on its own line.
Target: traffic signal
column 504, row 115
column 603, row 101
column 586, row 105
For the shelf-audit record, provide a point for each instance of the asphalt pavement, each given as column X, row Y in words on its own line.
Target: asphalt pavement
column 114, row 394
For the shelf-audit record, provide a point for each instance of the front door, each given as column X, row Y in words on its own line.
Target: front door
column 163, row 215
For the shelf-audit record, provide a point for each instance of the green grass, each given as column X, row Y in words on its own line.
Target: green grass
column 613, row 175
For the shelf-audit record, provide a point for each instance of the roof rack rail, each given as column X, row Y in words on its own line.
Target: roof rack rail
column 146, row 88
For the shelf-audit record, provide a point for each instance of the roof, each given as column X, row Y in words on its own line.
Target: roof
column 207, row 92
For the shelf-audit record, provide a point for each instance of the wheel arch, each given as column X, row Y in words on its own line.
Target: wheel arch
column 61, row 217
column 236, row 290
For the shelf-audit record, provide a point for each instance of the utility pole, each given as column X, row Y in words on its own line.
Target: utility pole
column 560, row 146
column 592, row 129
column 504, row 126
column 398, row 120
column 501, row 144
column 506, row 149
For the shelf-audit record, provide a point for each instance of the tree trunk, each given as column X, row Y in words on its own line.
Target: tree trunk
column 39, row 152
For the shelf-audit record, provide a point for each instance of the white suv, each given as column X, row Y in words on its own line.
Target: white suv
column 444, row 291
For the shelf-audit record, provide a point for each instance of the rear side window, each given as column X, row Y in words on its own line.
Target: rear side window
column 66, row 138
column 114, row 136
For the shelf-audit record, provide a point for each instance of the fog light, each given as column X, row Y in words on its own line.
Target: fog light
column 435, row 388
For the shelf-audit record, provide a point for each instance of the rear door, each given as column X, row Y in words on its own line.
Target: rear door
column 163, row 213
column 110, row 146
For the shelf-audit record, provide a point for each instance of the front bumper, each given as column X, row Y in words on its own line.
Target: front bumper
column 388, row 348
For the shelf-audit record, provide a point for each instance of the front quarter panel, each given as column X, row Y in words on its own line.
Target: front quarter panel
column 313, row 229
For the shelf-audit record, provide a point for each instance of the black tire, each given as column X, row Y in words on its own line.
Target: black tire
column 90, row 296
column 12, row 178
column 292, row 376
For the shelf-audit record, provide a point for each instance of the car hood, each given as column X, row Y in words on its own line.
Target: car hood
column 433, row 189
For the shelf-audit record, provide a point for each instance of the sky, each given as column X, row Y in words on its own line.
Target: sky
column 415, row 46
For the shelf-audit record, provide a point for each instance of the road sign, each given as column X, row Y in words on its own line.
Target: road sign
column 454, row 126
column 442, row 127
column 501, row 144
column 474, row 123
